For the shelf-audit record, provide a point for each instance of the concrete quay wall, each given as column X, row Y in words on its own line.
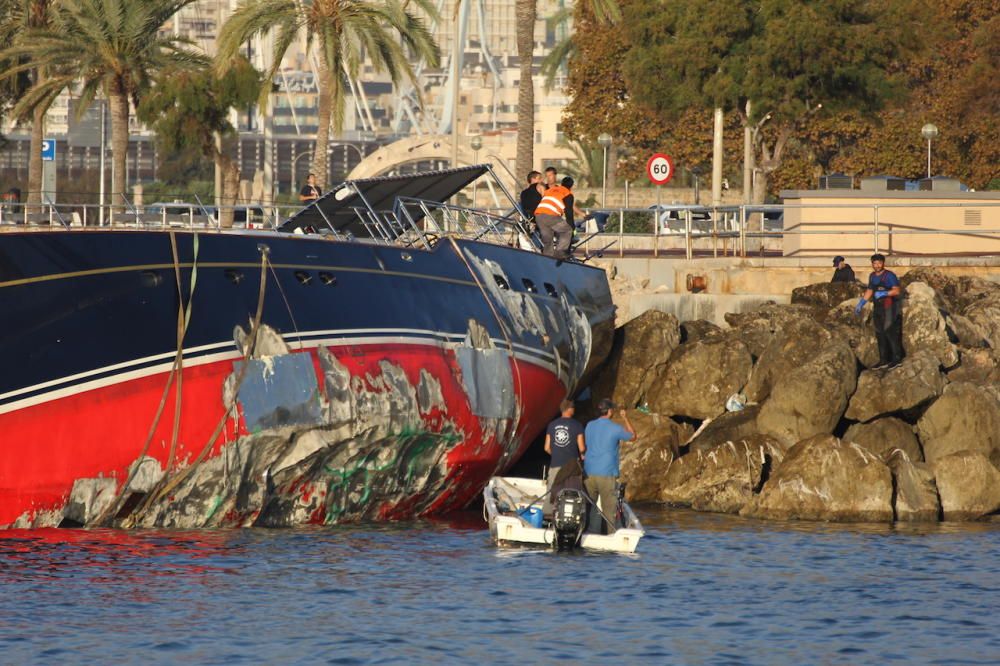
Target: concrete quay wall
column 778, row 276
column 737, row 284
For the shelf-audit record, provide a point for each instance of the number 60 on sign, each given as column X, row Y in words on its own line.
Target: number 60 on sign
column 660, row 169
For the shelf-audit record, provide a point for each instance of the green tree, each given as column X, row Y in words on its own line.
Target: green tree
column 600, row 101
column 106, row 46
column 778, row 63
column 344, row 32
column 190, row 107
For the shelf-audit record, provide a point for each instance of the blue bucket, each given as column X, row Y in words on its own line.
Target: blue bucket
column 532, row 515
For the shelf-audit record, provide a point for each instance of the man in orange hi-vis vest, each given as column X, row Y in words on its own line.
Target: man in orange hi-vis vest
column 551, row 220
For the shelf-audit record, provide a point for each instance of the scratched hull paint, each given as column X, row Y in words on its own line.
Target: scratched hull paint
column 381, row 384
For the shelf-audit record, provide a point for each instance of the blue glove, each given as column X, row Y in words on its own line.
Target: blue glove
column 880, row 294
column 860, row 305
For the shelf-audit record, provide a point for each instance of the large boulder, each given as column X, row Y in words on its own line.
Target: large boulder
column 810, row 399
column 729, row 427
column 723, row 478
column 985, row 314
column 965, row 417
column 918, row 379
column 757, row 327
column 861, row 338
column 790, row 347
column 966, row 332
column 822, row 478
column 916, row 496
column 827, row 294
column 646, row 459
column 700, row 376
column 699, row 329
column 640, row 352
column 956, row 293
column 885, row 436
column 976, row 366
column 924, row 326
column 969, row 485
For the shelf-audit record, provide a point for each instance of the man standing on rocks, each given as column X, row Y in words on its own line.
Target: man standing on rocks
column 883, row 291
column 603, row 437
column 564, row 442
column 842, row 270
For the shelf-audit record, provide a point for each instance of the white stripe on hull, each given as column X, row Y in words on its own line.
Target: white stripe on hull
column 195, row 357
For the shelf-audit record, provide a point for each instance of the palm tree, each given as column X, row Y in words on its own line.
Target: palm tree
column 344, row 32
column 526, row 12
column 108, row 46
column 24, row 15
column 190, row 108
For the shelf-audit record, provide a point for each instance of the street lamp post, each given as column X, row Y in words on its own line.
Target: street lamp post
column 476, row 142
column 929, row 132
column 605, row 141
column 295, row 161
column 696, row 172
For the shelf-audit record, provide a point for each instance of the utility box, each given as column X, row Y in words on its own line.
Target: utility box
column 883, row 184
column 940, row 184
column 836, row 181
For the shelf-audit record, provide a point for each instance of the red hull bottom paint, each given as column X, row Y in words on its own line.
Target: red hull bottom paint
column 100, row 431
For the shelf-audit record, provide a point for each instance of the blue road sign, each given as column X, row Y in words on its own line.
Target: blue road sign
column 49, row 150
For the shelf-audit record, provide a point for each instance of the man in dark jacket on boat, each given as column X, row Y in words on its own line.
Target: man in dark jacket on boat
column 603, row 437
column 532, row 195
column 565, row 443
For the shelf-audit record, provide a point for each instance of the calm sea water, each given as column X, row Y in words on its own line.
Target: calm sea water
column 702, row 589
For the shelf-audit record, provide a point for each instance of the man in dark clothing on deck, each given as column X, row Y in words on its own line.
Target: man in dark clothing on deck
column 564, row 442
column 884, row 292
column 843, row 271
column 310, row 192
column 531, row 196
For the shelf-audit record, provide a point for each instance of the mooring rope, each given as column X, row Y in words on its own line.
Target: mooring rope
column 176, row 372
column 167, row 483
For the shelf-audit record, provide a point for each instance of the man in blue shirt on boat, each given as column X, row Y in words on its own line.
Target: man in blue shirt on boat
column 603, row 437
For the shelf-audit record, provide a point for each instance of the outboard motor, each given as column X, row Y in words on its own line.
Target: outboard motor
column 569, row 519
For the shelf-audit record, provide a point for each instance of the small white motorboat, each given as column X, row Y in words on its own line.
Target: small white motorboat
column 518, row 515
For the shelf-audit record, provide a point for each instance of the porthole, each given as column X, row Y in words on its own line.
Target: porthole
column 529, row 285
column 151, row 279
column 303, row 277
column 550, row 290
column 327, row 278
column 405, row 256
column 234, row 275
column 501, row 282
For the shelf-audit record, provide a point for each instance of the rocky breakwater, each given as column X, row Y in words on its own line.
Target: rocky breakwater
column 782, row 415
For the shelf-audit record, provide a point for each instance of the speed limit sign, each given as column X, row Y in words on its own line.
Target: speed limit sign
column 660, row 169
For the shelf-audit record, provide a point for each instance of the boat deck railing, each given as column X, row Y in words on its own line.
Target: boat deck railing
column 412, row 222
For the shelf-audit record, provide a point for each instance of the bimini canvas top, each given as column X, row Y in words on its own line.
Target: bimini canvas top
column 339, row 207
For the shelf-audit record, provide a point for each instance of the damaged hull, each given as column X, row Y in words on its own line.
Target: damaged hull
column 320, row 381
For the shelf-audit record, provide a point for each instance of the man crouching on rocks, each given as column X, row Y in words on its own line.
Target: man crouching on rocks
column 883, row 291
column 601, row 464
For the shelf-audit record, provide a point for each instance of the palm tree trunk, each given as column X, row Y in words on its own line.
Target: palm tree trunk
column 321, row 161
column 35, row 155
column 119, row 148
column 526, row 12
column 230, row 186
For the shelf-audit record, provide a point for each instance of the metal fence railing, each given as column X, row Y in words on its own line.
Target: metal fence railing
column 910, row 227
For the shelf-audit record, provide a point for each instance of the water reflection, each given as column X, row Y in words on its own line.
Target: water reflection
column 702, row 589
